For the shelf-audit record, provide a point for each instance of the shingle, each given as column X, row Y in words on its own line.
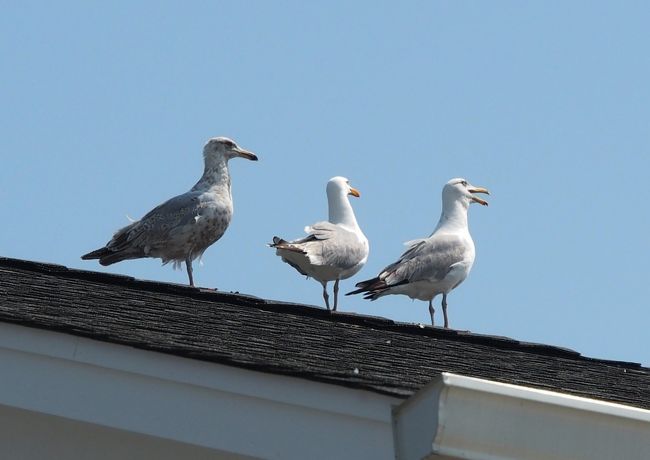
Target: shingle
column 297, row 340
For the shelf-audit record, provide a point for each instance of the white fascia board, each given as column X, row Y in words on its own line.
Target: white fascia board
column 226, row 408
column 469, row 418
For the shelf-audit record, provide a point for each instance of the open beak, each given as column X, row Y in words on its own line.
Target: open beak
column 478, row 190
column 354, row 192
column 245, row 154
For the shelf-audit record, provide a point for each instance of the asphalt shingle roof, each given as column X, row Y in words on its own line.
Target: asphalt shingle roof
column 365, row 352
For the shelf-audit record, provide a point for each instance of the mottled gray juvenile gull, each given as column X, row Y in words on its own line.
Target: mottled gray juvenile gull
column 437, row 264
column 333, row 250
column 182, row 228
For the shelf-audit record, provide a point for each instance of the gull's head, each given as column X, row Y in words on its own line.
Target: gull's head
column 460, row 189
column 340, row 186
column 222, row 147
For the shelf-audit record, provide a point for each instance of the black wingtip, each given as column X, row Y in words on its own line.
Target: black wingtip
column 362, row 285
column 108, row 257
column 367, row 295
column 96, row 254
column 276, row 240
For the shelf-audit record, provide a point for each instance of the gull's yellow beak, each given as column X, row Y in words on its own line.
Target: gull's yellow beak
column 478, row 190
column 354, row 192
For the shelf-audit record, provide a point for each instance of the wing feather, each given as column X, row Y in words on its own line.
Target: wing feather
column 160, row 224
column 429, row 259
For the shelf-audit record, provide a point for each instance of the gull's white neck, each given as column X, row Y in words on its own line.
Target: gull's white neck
column 340, row 211
column 215, row 178
column 453, row 216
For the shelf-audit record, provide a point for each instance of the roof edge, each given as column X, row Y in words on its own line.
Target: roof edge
column 238, row 299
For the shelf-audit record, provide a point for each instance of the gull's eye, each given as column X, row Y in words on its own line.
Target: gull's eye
column 464, row 182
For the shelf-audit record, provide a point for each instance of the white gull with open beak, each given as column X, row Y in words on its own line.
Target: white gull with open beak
column 437, row 264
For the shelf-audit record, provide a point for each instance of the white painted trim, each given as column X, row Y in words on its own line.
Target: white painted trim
column 469, row 418
column 232, row 410
column 546, row 397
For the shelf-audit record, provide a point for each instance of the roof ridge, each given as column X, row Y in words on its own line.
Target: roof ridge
column 375, row 322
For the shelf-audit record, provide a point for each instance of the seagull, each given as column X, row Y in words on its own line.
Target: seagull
column 333, row 250
column 437, row 264
column 182, row 228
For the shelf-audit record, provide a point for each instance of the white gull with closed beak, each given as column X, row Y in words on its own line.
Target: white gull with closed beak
column 182, row 228
column 333, row 250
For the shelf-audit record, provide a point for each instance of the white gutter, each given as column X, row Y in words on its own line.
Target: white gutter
column 470, row 418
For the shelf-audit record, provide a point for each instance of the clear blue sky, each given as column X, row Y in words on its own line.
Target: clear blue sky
column 105, row 107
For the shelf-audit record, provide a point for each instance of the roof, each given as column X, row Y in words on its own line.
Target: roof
column 365, row 352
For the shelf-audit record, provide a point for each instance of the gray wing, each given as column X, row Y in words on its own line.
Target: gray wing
column 329, row 244
column 319, row 231
column 161, row 223
column 429, row 259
